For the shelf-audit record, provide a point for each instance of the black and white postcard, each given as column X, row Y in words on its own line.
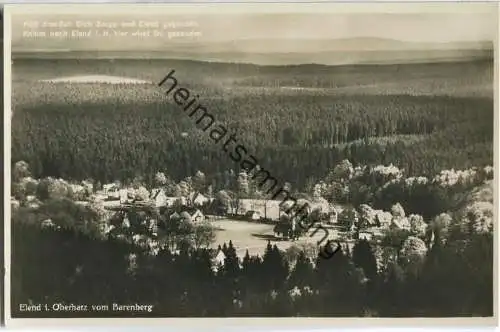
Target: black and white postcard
column 324, row 161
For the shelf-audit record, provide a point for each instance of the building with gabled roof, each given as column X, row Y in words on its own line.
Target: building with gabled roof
column 191, row 214
column 198, row 199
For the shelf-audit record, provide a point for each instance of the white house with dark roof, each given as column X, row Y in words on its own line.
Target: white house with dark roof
column 192, row 214
column 159, row 197
column 270, row 209
column 365, row 235
column 198, row 199
column 218, row 260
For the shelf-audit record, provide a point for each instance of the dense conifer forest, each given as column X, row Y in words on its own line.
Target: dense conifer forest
column 108, row 132
column 66, row 267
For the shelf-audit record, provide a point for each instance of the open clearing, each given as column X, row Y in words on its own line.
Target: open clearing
column 254, row 236
column 97, row 79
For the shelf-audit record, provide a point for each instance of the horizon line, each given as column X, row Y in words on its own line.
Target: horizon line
column 219, row 62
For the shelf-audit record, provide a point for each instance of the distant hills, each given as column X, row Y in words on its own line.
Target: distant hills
column 263, row 51
column 268, row 46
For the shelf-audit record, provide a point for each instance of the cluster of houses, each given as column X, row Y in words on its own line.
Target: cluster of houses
column 115, row 197
column 364, row 222
column 194, row 208
column 259, row 209
column 113, row 194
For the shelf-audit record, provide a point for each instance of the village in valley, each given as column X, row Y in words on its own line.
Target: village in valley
column 227, row 217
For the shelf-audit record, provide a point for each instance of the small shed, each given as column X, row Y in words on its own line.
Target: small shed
column 253, row 215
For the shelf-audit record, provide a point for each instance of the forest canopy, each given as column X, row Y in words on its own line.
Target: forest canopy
column 112, row 131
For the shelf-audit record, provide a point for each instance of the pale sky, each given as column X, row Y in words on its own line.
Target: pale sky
column 435, row 27
column 404, row 27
